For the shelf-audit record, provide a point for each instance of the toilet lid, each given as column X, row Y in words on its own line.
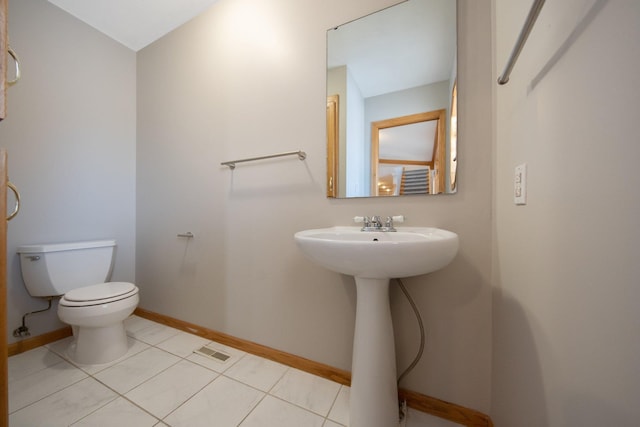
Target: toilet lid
column 100, row 291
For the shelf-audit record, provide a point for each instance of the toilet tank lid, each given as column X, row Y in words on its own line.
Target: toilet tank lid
column 57, row 247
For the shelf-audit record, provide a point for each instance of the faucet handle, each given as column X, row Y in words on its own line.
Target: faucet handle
column 388, row 224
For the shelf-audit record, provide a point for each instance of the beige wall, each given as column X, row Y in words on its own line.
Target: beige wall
column 247, row 78
column 566, row 319
column 70, row 134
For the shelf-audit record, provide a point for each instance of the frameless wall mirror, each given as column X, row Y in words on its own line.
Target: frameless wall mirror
column 392, row 102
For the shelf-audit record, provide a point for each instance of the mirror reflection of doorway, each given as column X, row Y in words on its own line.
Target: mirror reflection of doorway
column 333, row 148
column 408, row 154
column 453, row 136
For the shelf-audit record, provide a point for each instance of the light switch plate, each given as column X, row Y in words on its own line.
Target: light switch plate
column 520, row 185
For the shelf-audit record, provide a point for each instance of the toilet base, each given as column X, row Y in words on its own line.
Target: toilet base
column 96, row 346
column 98, row 330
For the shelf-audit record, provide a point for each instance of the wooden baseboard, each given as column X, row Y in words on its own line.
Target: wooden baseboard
column 325, row 371
column 38, row 341
column 420, row 402
column 446, row 410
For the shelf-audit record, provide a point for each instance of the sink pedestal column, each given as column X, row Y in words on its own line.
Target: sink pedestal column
column 374, row 390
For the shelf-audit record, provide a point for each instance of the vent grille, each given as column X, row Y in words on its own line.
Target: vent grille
column 212, row 354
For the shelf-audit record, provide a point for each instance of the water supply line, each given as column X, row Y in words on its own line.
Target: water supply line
column 23, row 331
column 422, row 334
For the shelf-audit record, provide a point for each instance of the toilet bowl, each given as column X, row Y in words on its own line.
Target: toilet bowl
column 95, row 308
column 96, row 314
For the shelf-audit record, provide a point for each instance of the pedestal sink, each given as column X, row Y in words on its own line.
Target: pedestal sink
column 374, row 258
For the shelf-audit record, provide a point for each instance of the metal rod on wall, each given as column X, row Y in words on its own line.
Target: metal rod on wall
column 536, row 7
column 232, row 163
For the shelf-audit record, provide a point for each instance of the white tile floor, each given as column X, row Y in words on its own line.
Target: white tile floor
column 162, row 382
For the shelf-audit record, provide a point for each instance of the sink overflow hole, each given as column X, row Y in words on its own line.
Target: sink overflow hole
column 206, row 351
column 375, row 240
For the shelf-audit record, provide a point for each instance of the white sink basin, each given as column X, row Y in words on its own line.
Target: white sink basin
column 374, row 258
column 410, row 251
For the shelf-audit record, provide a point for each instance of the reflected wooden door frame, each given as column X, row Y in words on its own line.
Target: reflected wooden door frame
column 439, row 150
column 332, row 144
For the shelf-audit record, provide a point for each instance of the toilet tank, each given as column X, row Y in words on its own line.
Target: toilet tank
column 55, row 269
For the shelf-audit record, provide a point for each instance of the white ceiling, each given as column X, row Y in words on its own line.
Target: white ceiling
column 404, row 46
column 134, row 23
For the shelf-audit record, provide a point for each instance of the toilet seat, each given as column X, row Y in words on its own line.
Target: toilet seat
column 101, row 293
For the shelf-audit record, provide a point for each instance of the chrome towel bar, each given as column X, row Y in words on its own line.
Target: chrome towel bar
column 536, row 7
column 232, row 163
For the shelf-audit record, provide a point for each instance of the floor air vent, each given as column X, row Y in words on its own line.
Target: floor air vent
column 212, row 354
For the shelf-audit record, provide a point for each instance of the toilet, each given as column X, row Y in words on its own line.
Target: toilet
column 95, row 308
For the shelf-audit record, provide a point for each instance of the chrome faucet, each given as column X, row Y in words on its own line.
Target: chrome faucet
column 375, row 223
